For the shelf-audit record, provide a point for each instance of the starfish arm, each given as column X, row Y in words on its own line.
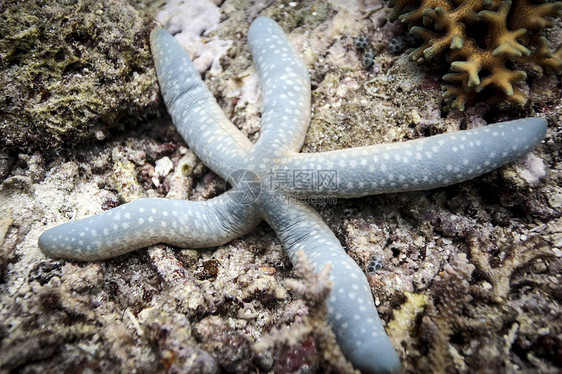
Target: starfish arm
column 351, row 309
column 285, row 89
column 150, row 221
column 194, row 110
column 418, row 164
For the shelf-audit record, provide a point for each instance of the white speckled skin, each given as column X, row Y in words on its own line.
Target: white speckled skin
column 285, row 92
column 196, row 114
column 144, row 222
column 351, row 309
column 414, row 165
column 420, row 164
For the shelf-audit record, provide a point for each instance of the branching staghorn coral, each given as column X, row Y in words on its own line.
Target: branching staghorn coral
column 479, row 39
column 482, row 316
column 516, row 257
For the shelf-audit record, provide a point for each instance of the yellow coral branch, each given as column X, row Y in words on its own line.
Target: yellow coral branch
column 501, row 40
column 533, row 17
column 509, row 30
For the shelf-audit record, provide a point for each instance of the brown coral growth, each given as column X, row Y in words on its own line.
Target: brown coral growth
column 481, row 39
column 445, row 310
column 309, row 340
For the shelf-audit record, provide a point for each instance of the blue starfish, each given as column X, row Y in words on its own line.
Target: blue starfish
column 258, row 174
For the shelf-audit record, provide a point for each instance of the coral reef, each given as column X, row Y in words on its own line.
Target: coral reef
column 480, row 40
column 70, row 70
column 122, row 315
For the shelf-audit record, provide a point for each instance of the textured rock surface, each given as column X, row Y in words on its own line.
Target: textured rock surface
column 71, row 69
column 152, row 310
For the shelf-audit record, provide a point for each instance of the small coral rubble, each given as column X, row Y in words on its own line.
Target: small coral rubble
column 480, row 39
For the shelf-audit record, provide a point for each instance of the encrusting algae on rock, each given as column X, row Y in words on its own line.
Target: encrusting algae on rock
column 72, row 70
column 480, row 39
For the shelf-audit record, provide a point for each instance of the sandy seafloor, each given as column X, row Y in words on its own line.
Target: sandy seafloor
column 466, row 278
